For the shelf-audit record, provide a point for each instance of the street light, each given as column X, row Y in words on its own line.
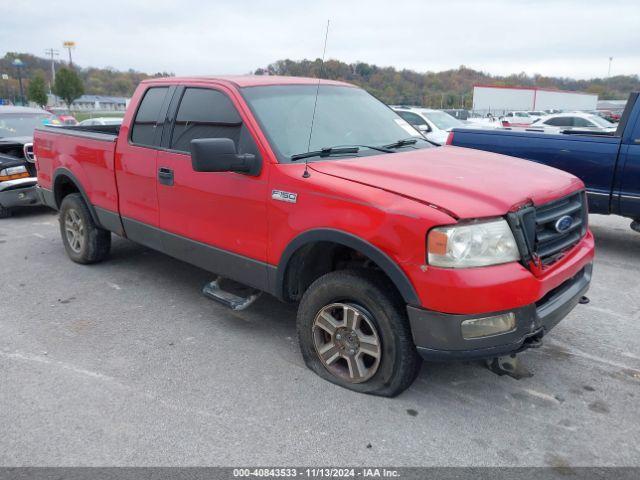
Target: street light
column 69, row 45
column 19, row 64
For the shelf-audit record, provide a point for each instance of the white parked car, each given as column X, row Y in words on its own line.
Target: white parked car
column 102, row 121
column 435, row 125
column 517, row 118
column 577, row 121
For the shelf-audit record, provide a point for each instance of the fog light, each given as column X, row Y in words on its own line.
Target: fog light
column 487, row 326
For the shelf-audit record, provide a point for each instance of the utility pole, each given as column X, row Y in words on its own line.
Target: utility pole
column 69, row 45
column 52, row 52
column 609, row 71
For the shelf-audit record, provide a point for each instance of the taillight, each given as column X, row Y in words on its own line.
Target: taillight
column 449, row 139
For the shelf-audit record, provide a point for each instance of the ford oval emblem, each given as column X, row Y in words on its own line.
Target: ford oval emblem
column 563, row 223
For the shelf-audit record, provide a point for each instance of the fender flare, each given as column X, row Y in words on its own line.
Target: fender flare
column 67, row 173
column 388, row 266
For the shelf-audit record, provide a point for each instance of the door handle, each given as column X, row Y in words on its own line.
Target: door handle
column 637, row 140
column 165, row 176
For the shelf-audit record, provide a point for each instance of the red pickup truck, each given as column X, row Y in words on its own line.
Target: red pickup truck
column 317, row 193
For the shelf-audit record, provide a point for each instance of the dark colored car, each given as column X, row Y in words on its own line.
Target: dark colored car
column 17, row 168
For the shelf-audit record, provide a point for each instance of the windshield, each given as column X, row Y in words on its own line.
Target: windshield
column 602, row 122
column 21, row 125
column 442, row 120
column 344, row 116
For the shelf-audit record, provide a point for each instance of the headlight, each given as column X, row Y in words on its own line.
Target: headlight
column 12, row 173
column 472, row 245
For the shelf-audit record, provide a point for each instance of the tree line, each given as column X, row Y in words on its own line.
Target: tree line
column 94, row 81
column 447, row 89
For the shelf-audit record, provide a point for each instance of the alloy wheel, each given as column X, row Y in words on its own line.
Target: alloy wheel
column 347, row 342
column 74, row 230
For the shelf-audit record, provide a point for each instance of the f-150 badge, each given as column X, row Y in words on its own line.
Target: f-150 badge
column 284, row 196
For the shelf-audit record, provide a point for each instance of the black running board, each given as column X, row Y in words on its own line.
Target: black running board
column 214, row 291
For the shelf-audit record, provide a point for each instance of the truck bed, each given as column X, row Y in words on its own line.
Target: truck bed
column 112, row 130
column 86, row 153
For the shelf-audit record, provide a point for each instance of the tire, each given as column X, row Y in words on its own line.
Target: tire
column 365, row 295
column 83, row 240
column 4, row 212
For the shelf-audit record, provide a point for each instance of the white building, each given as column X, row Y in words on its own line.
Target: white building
column 497, row 99
column 95, row 103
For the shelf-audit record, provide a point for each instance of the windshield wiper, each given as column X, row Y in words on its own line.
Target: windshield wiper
column 328, row 151
column 402, row 143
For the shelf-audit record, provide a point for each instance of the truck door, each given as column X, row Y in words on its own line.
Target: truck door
column 629, row 164
column 136, row 166
column 217, row 220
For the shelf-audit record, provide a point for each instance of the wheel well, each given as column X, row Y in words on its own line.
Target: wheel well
column 62, row 187
column 313, row 260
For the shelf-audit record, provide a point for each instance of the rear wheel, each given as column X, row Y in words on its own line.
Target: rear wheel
column 83, row 240
column 4, row 212
column 355, row 334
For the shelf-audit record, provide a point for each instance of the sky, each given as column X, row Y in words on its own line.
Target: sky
column 569, row 38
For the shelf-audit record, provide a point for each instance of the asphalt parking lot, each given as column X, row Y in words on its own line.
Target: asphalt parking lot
column 127, row 363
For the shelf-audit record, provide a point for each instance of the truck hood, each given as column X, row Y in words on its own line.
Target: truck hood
column 466, row 183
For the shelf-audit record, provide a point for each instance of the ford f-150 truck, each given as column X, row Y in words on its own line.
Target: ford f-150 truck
column 317, row 193
column 609, row 165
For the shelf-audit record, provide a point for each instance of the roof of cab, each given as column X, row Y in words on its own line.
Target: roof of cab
column 248, row 80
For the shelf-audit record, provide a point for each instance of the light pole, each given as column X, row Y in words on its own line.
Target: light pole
column 609, row 71
column 69, row 45
column 5, row 88
column 19, row 64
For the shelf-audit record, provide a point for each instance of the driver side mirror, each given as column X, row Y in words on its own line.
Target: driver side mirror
column 220, row 155
column 424, row 128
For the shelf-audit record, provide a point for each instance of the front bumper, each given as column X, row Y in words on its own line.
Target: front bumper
column 438, row 336
column 18, row 193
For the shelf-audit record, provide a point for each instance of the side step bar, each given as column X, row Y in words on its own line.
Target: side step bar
column 214, row 291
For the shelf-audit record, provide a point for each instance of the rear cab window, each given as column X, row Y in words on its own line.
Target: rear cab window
column 144, row 127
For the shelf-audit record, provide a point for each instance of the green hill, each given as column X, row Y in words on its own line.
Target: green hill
column 433, row 89
column 448, row 88
column 97, row 81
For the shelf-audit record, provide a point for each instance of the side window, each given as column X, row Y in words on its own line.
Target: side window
column 560, row 122
column 205, row 113
column 412, row 118
column 581, row 122
column 144, row 125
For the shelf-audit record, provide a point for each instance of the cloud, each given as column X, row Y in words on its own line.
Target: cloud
column 553, row 37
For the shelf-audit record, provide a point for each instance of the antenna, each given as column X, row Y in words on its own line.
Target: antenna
column 315, row 103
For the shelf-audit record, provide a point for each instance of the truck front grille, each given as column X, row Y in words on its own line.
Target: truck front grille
column 548, row 231
column 551, row 241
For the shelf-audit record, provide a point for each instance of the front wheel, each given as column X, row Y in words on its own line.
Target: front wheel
column 83, row 240
column 354, row 333
column 4, row 212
